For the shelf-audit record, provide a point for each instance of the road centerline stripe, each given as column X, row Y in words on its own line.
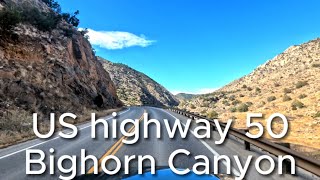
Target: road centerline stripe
column 114, row 148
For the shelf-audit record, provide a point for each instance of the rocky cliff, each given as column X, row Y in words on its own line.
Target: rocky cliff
column 54, row 71
column 135, row 88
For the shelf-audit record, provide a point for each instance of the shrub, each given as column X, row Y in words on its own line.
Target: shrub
column 316, row 65
column 212, row 114
column 9, row 18
column 241, row 95
column 271, row 98
column 42, row 21
column 249, row 89
column 192, row 106
column 297, row 104
column 276, row 84
column 249, row 103
column 232, row 97
column 71, row 19
column 302, row 96
column 226, row 103
column 300, row 84
column 235, row 102
column 316, row 114
column 233, row 109
column 258, row 90
column 286, row 98
column 244, row 86
column 287, row 90
column 243, row 107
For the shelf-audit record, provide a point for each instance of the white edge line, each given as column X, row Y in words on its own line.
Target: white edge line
column 16, row 152
column 235, row 171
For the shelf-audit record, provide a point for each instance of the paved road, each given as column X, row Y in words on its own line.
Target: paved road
column 12, row 159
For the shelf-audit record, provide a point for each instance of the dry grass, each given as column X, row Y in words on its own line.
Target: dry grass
column 16, row 125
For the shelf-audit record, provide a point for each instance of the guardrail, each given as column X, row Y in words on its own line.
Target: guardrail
column 302, row 161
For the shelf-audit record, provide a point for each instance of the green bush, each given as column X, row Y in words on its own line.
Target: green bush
column 232, row 97
column 212, row 114
column 316, row 114
column 258, row 90
column 192, row 106
column 316, row 65
column 233, row 109
column 300, row 84
column 302, row 96
column 226, row 103
column 286, row 98
column 9, row 18
column 249, row 103
column 287, row 90
column 41, row 20
column 235, row 102
column 297, row 104
column 271, row 98
column 243, row 107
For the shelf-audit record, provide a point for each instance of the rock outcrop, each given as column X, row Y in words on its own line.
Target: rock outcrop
column 53, row 71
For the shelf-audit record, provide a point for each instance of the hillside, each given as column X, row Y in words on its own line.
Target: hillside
column 135, row 88
column 289, row 84
column 184, row 96
column 46, row 66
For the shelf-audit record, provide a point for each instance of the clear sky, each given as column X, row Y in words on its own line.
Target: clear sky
column 195, row 45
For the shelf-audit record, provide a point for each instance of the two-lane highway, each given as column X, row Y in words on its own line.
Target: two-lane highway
column 13, row 159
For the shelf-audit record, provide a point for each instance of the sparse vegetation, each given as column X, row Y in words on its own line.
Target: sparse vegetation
column 271, row 98
column 300, row 84
column 235, row 102
column 9, row 18
column 212, row 114
column 192, row 106
column 249, row 89
column 233, row 109
column 316, row 115
column 244, row 86
column 316, row 65
column 287, row 90
column 276, row 84
column 286, row 98
column 243, row 107
column 297, row 104
column 302, row 96
column 258, row 90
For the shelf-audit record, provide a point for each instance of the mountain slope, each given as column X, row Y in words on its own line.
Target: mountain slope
column 135, row 88
column 289, row 84
column 47, row 72
column 184, row 96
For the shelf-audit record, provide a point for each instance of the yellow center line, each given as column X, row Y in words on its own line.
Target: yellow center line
column 114, row 149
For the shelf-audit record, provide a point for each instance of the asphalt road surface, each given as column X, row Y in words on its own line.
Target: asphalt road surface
column 13, row 159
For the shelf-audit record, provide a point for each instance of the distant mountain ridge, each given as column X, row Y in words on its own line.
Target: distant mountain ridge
column 185, row 96
column 136, row 88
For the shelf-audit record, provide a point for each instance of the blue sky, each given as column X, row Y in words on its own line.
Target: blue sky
column 195, row 45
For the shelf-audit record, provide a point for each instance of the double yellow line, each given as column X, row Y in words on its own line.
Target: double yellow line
column 115, row 148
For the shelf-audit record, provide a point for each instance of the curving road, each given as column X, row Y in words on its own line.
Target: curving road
column 13, row 165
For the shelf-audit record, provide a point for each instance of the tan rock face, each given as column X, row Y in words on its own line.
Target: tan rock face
column 135, row 88
column 44, row 73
